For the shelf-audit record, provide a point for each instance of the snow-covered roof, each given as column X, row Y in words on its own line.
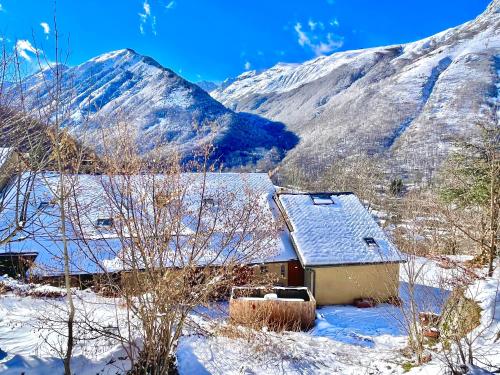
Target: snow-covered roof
column 335, row 233
column 97, row 201
column 328, row 229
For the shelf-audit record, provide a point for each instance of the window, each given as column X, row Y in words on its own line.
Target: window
column 43, row 205
column 283, row 270
column 322, row 199
column 107, row 222
column 263, row 269
column 210, row 202
column 370, row 241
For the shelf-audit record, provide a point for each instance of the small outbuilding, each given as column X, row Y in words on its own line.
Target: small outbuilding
column 344, row 254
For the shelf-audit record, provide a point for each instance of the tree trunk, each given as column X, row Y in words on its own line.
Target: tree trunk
column 493, row 219
column 67, row 280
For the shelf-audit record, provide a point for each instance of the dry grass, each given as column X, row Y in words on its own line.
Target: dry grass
column 4, row 289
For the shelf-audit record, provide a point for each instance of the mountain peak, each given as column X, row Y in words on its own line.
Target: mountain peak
column 163, row 109
column 394, row 101
column 113, row 55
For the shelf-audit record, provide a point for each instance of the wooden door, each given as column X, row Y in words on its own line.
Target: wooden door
column 295, row 273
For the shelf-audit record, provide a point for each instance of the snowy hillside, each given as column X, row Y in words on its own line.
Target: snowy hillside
column 398, row 100
column 163, row 108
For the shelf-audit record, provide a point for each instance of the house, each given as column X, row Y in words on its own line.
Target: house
column 97, row 200
column 330, row 242
column 343, row 252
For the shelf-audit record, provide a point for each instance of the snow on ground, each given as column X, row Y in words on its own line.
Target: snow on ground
column 486, row 292
column 363, row 327
column 345, row 339
column 342, row 341
column 287, row 353
column 27, row 345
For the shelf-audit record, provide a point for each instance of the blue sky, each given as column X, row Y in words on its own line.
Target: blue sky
column 216, row 39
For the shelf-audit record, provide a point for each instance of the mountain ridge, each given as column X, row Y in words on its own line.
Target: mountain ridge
column 163, row 109
column 404, row 102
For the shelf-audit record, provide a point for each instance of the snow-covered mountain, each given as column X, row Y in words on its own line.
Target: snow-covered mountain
column 208, row 85
column 161, row 107
column 406, row 101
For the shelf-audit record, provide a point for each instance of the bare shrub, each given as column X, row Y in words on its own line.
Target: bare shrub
column 175, row 240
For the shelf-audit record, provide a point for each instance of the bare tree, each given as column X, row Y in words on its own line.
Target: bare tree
column 22, row 154
column 63, row 155
column 165, row 241
column 412, row 238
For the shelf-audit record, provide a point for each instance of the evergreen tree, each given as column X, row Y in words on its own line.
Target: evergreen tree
column 471, row 181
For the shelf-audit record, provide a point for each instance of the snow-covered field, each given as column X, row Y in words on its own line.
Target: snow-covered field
column 345, row 339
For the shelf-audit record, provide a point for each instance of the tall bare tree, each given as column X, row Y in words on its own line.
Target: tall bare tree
column 24, row 150
column 64, row 156
column 164, row 240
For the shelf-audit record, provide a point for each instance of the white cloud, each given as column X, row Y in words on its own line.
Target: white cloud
column 24, row 47
column 320, row 45
column 303, row 39
column 335, row 22
column 313, row 25
column 247, row 65
column 170, row 5
column 2, row 9
column 146, row 17
column 147, row 8
column 142, row 20
column 46, row 29
column 332, row 43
